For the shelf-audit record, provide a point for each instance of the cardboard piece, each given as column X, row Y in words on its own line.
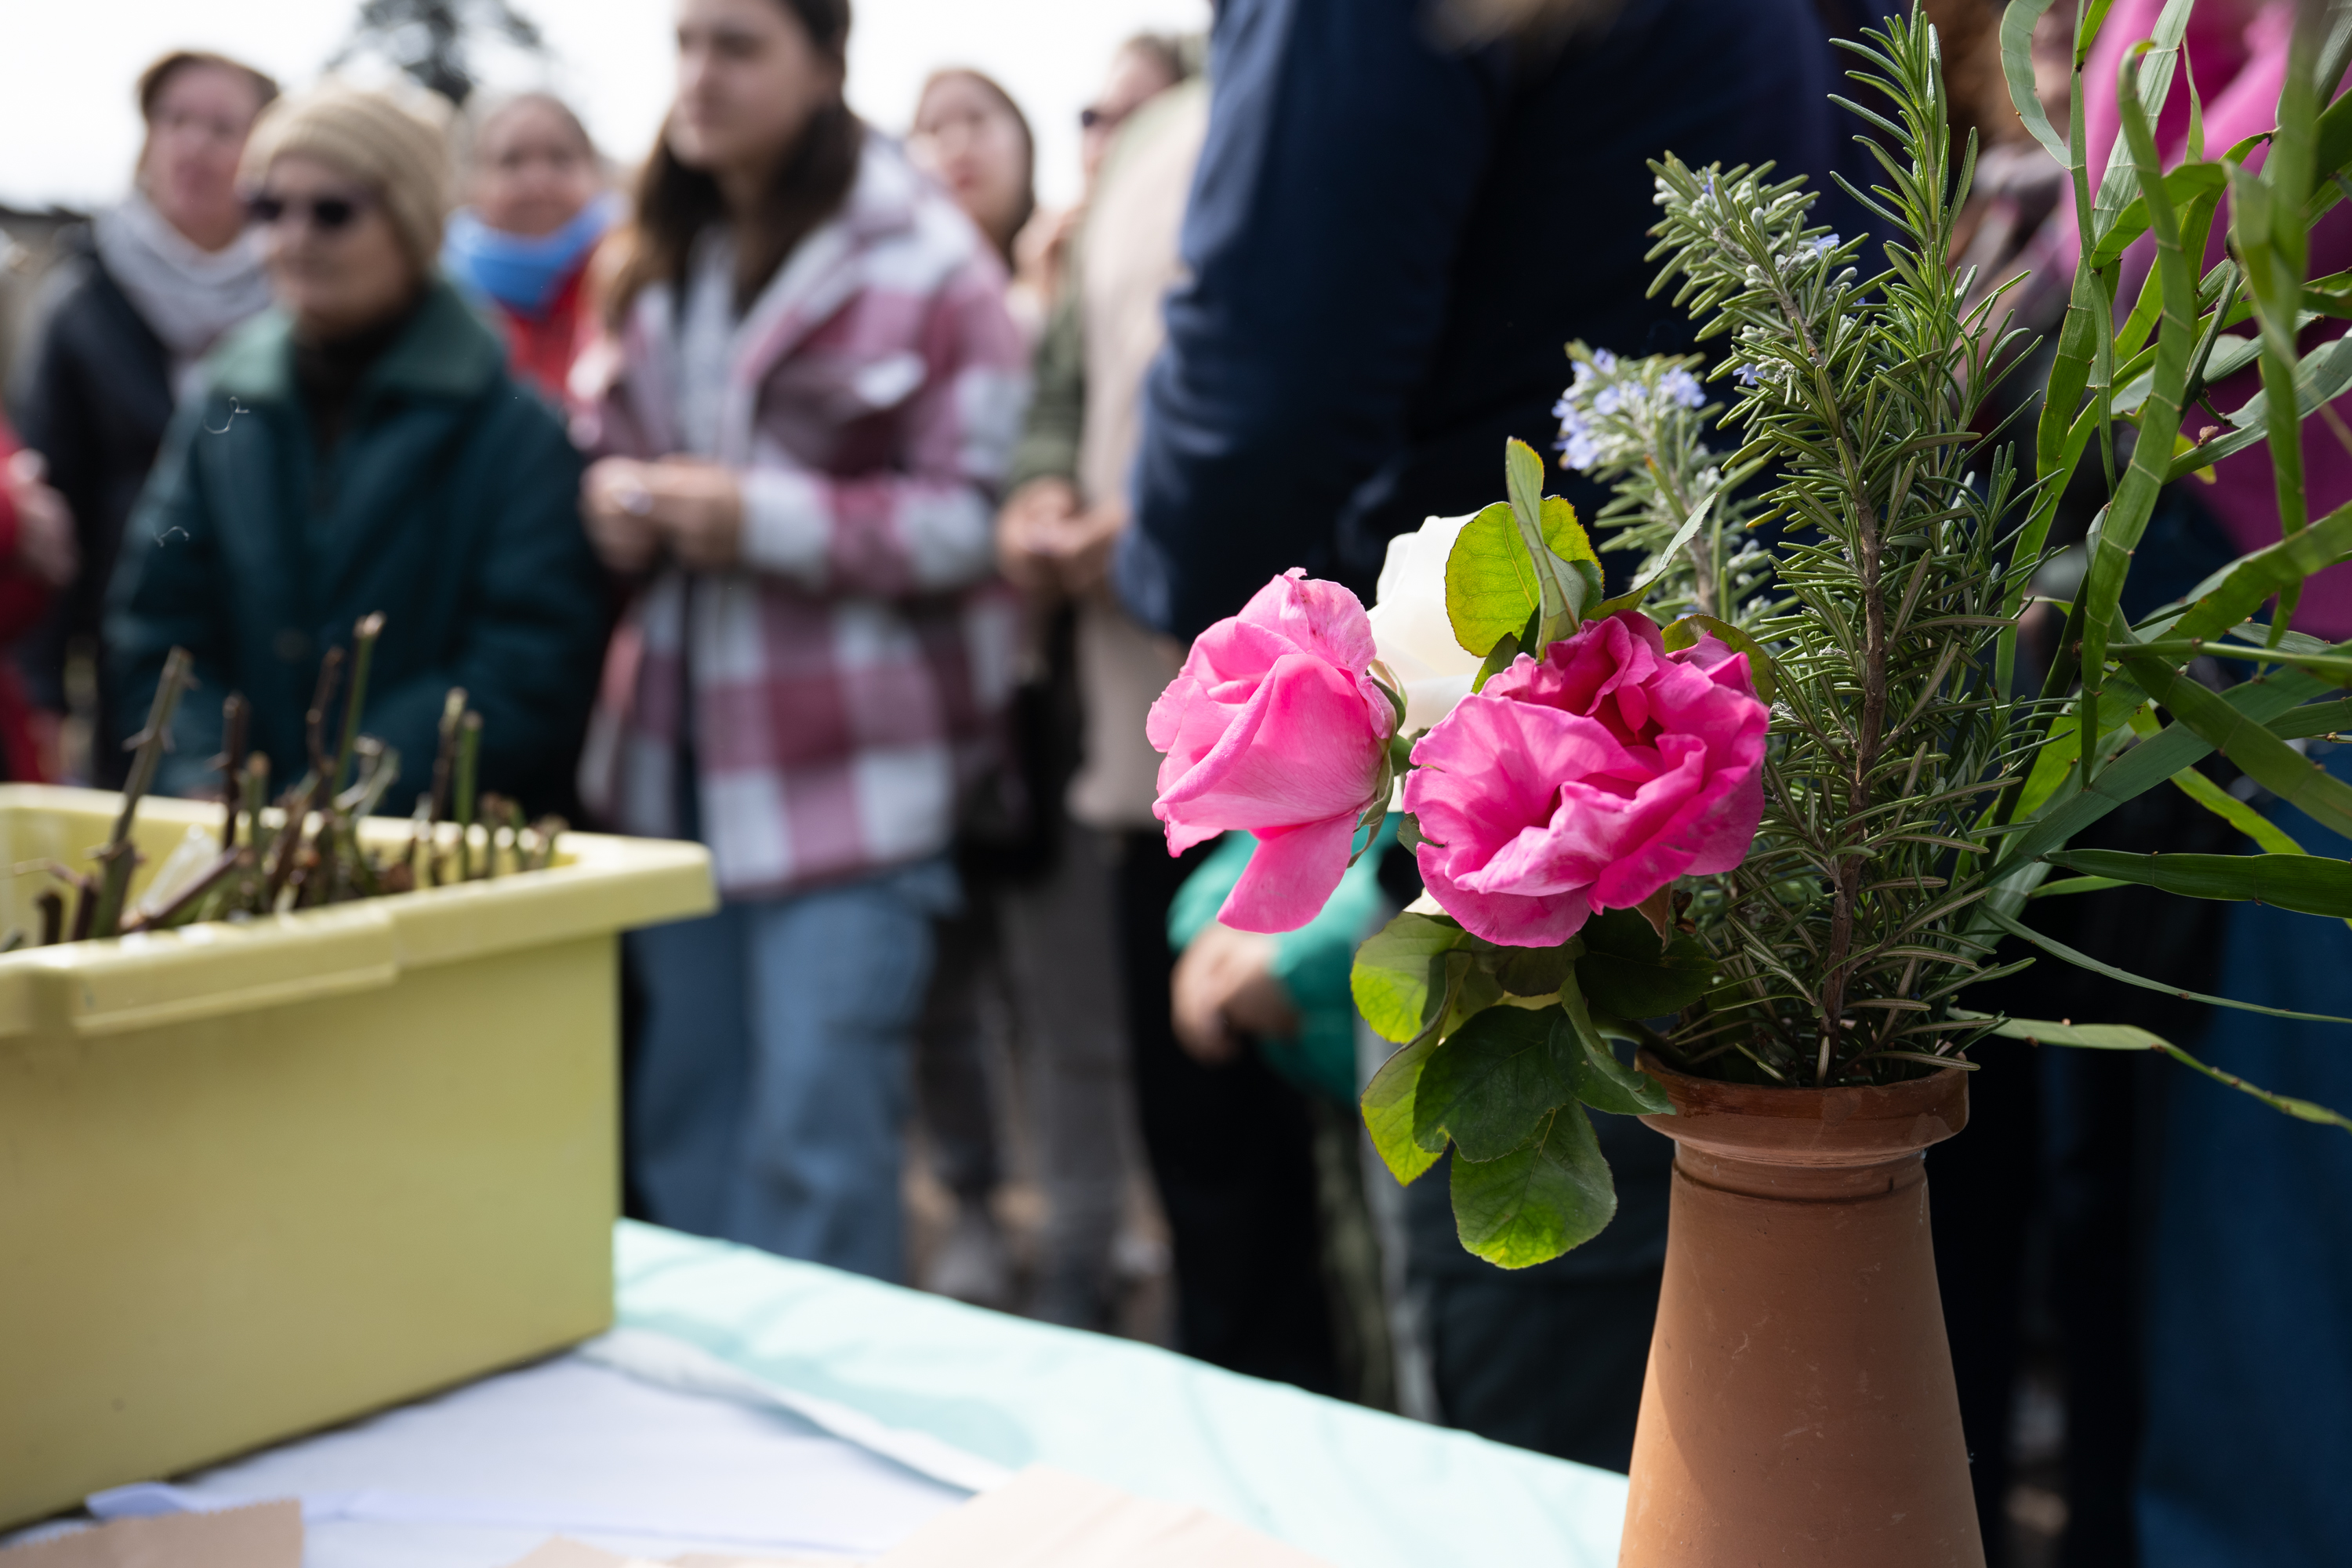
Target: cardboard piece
column 264, row 1535
column 1046, row 1518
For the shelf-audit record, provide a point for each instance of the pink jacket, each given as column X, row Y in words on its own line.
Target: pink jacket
column 845, row 681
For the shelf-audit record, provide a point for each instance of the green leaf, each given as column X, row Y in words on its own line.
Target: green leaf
column 2125, row 1038
column 1624, row 974
column 1761, row 672
column 2184, row 186
column 1491, row 587
column 2309, row 884
column 2076, row 885
column 1663, row 562
column 2053, row 759
column 2117, row 532
column 2056, row 949
column 1601, row 1081
column 2017, row 26
column 2236, row 813
column 1494, row 1081
column 2280, row 704
column 2320, row 376
column 1388, row 1108
column 2230, row 595
column 1629, row 988
column 1538, row 1202
column 1399, row 978
column 1537, row 971
column 2274, row 765
column 1623, row 933
column 1523, row 473
column 2151, row 77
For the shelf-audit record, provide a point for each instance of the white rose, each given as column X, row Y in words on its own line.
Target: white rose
column 1410, row 628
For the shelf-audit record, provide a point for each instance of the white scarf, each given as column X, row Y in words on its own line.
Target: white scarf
column 189, row 296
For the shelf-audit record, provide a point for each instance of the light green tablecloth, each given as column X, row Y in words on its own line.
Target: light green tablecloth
column 1363, row 1489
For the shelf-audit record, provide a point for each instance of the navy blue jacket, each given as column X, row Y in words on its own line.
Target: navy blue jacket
column 1390, row 245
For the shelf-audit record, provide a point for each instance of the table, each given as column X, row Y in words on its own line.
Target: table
column 749, row 1404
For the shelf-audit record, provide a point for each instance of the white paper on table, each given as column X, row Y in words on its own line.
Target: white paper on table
column 670, row 1362
column 1046, row 1518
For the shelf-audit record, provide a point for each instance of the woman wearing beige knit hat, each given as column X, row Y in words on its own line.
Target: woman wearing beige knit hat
column 353, row 186
column 364, row 448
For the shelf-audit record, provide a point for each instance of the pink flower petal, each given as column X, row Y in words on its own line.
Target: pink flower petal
column 1291, row 876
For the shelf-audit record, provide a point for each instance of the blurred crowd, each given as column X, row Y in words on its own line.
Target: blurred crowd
column 810, row 490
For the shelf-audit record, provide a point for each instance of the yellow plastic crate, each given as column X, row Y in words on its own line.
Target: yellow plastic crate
column 258, row 1179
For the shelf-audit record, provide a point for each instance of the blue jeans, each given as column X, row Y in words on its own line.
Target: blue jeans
column 772, row 1082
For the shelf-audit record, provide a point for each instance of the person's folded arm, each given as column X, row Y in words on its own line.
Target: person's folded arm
column 1343, row 153
column 925, row 525
column 531, row 646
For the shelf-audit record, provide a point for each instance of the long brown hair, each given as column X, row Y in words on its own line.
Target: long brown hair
column 675, row 203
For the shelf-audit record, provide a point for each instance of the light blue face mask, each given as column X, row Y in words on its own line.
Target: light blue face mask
column 523, row 274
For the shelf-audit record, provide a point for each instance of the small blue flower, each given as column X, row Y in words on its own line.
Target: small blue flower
column 1683, row 387
column 1609, row 400
column 1579, row 452
column 1604, row 361
column 1745, row 376
column 1814, row 249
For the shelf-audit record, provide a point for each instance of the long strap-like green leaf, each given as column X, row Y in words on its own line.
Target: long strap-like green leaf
column 2081, row 960
column 2125, row 519
column 2307, row 884
column 2125, row 1038
column 2272, row 763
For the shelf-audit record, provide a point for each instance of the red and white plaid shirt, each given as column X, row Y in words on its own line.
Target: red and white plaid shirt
column 846, row 679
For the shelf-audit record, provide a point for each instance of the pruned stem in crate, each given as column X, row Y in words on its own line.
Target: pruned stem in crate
column 235, row 714
column 470, row 748
column 185, row 901
column 445, row 767
column 314, row 723
column 363, row 635
column 52, row 905
column 119, row 857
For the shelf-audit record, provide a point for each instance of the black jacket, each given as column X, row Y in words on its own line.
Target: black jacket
column 95, row 402
column 1388, row 245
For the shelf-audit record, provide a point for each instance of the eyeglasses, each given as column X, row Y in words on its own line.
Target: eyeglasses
column 328, row 214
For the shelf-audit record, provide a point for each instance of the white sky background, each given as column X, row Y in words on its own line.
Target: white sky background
column 68, row 131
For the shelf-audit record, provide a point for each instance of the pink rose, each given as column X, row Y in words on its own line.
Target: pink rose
column 1588, row 781
column 1273, row 727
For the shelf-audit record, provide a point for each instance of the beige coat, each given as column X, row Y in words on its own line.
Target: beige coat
column 1130, row 263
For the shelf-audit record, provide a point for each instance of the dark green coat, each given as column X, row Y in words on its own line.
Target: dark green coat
column 451, row 504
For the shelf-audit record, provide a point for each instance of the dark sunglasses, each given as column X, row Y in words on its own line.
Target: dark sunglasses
column 326, row 213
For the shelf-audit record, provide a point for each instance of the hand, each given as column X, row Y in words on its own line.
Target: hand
column 617, row 508
column 1082, row 551
column 692, row 508
column 1027, row 527
column 1043, row 245
column 1223, row 990
column 44, row 529
column 698, row 506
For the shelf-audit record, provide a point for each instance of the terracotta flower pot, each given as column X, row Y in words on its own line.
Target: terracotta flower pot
column 1800, row 1407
